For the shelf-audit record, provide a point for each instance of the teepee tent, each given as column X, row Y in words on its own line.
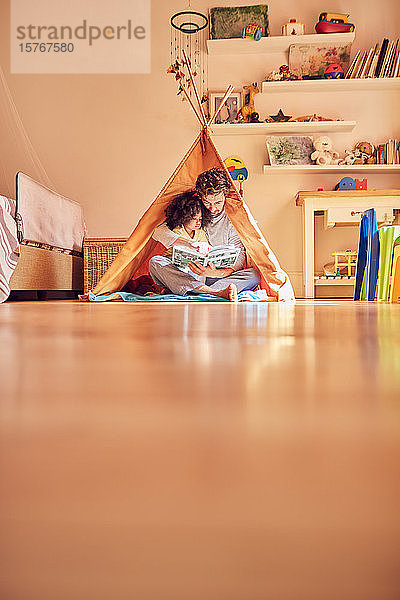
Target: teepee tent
column 17, row 151
column 133, row 258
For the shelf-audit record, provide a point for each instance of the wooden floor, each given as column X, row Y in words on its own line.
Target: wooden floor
column 200, row 452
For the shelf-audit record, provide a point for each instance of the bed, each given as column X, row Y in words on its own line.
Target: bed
column 41, row 237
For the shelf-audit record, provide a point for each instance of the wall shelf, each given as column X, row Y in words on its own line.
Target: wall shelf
column 275, row 43
column 316, row 169
column 331, row 85
column 282, row 128
column 343, row 280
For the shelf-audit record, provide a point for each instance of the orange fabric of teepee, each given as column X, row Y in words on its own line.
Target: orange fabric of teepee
column 139, row 248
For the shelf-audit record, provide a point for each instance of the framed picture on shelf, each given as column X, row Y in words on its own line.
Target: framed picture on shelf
column 229, row 111
column 290, row 150
column 311, row 60
column 229, row 21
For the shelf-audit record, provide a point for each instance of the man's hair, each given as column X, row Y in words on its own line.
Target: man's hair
column 185, row 207
column 213, row 182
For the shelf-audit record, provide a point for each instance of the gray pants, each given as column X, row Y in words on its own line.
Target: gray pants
column 166, row 274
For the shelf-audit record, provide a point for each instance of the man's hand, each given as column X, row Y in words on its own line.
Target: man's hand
column 210, row 270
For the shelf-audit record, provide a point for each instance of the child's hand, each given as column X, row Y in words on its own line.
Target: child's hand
column 181, row 241
column 202, row 247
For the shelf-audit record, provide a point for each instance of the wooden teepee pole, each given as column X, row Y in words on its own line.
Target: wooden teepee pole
column 194, row 86
column 224, row 99
column 192, row 105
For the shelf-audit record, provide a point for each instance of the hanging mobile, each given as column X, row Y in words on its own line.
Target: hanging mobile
column 188, row 39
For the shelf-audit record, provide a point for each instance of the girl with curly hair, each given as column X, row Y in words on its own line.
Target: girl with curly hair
column 187, row 216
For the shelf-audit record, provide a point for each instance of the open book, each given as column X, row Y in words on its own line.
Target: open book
column 220, row 256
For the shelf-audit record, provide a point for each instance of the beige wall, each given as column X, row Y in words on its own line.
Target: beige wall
column 110, row 141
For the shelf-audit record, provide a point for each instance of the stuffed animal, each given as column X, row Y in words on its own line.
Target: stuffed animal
column 273, row 76
column 363, row 153
column 284, row 74
column 323, row 154
column 248, row 109
column 367, row 152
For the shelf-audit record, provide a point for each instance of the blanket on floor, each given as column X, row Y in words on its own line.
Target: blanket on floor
column 246, row 296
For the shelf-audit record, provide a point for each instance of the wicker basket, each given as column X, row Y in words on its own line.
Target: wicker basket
column 98, row 254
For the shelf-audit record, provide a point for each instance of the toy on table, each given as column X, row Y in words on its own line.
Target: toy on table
column 349, row 260
column 333, row 23
column 278, row 118
column 324, row 153
column 248, row 109
column 363, row 153
column 334, row 71
column 345, row 184
column 293, row 27
column 253, row 31
column 237, row 170
column 361, row 184
column 343, row 263
column 348, row 183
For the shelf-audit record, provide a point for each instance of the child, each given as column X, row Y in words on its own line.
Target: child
column 187, row 216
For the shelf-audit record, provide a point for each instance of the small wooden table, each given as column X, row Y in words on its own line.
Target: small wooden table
column 344, row 207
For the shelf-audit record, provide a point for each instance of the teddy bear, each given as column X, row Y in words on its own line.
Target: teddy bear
column 363, row 153
column 323, row 154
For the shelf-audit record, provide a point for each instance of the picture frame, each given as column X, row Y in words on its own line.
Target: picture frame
column 290, row 150
column 229, row 111
column 311, row 61
column 227, row 22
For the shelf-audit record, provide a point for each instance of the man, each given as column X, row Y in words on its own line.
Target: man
column 213, row 187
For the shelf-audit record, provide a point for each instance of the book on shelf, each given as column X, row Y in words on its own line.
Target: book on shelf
column 360, row 66
column 381, row 57
column 352, row 67
column 388, row 153
column 395, row 71
column 380, row 61
column 367, row 63
column 374, row 61
column 387, row 59
column 393, row 58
